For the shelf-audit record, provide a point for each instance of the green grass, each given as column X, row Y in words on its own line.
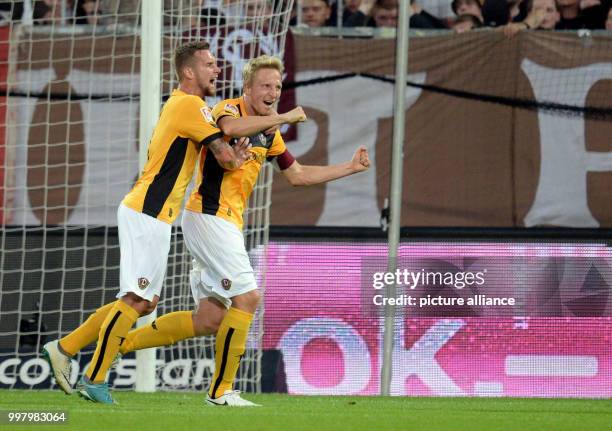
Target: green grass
column 186, row 411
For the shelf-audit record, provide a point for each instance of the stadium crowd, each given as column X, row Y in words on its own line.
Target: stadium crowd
column 463, row 15
column 460, row 15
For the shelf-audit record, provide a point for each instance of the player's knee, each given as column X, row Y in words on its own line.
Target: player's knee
column 141, row 305
column 206, row 324
column 150, row 306
column 247, row 301
column 254, row 298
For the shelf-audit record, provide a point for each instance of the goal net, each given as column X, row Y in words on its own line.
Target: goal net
column 69, row 153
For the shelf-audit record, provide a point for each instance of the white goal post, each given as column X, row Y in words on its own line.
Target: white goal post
column 150, row 99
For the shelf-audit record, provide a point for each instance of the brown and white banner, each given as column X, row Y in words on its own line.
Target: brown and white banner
column 495, row 145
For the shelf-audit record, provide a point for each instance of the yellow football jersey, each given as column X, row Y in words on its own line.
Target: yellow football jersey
column 185, row 125
column 226, row 193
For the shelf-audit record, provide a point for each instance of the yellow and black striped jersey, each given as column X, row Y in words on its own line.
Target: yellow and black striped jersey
column 225, row 193
column 185, row 125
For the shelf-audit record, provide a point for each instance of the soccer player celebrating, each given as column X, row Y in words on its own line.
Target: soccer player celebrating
column 222, row 279
column 146, row 214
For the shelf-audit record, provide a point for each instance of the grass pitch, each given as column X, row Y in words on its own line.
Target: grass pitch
column 186, row 411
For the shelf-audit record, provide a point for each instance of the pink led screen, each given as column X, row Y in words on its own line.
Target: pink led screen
column 556, row 341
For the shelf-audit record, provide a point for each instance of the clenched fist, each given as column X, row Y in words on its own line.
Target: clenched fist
column 361, row 160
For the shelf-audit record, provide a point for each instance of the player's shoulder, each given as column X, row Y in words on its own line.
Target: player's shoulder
column 228, row 107
column 182, row 100
column 183, row 105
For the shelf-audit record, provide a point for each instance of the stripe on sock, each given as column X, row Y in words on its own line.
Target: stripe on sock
column 103, row 347
column 226, row 346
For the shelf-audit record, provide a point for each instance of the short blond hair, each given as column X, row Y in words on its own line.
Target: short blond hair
column 258, row 63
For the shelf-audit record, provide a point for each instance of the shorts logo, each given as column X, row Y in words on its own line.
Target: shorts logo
column 143, row 283
column 226, row 283
column 205, row 110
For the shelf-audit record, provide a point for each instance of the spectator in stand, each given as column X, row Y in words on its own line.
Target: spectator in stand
column 419, row 18
column 467, row 7
column 87, row 12
column 254, row 10
column 384, row 13
column 315, row 13
column 465, row 23
column 609, row 20
column 44, row 12
column 496, row 13
column 364, row 16
column 350, row 7
column 571, row 18
column 541, row 15
column 258, row 8
column 441, row 9
column 594, row 13
column 571, row 15
column 579, row 14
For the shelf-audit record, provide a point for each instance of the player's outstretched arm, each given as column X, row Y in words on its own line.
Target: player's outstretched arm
column 246, row 126
column 230, row 158
column 305, row 175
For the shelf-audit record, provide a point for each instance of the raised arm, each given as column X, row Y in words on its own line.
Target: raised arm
column 246, row 126
column 305, row 175
column 230, row 158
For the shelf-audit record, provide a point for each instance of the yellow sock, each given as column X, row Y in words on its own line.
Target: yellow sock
column 166, row 330
column 229, row 348
column 113, row 331
column 85, row 334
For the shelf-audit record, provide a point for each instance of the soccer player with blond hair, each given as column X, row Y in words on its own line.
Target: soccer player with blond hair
column 222, row 279
column 145, row 216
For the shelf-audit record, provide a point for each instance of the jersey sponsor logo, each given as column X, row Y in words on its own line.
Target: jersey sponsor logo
column 206, row 112
column 143, row 283
column 231, row 109
column 226, row 283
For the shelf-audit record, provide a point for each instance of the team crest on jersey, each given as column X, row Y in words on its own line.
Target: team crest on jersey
column 231, row 109
column 226, row 283
column 143, row 283
column 261, row 140
column 206, row 112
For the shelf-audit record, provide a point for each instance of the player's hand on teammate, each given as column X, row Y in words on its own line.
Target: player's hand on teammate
column 360, row 161
column 242, row 149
